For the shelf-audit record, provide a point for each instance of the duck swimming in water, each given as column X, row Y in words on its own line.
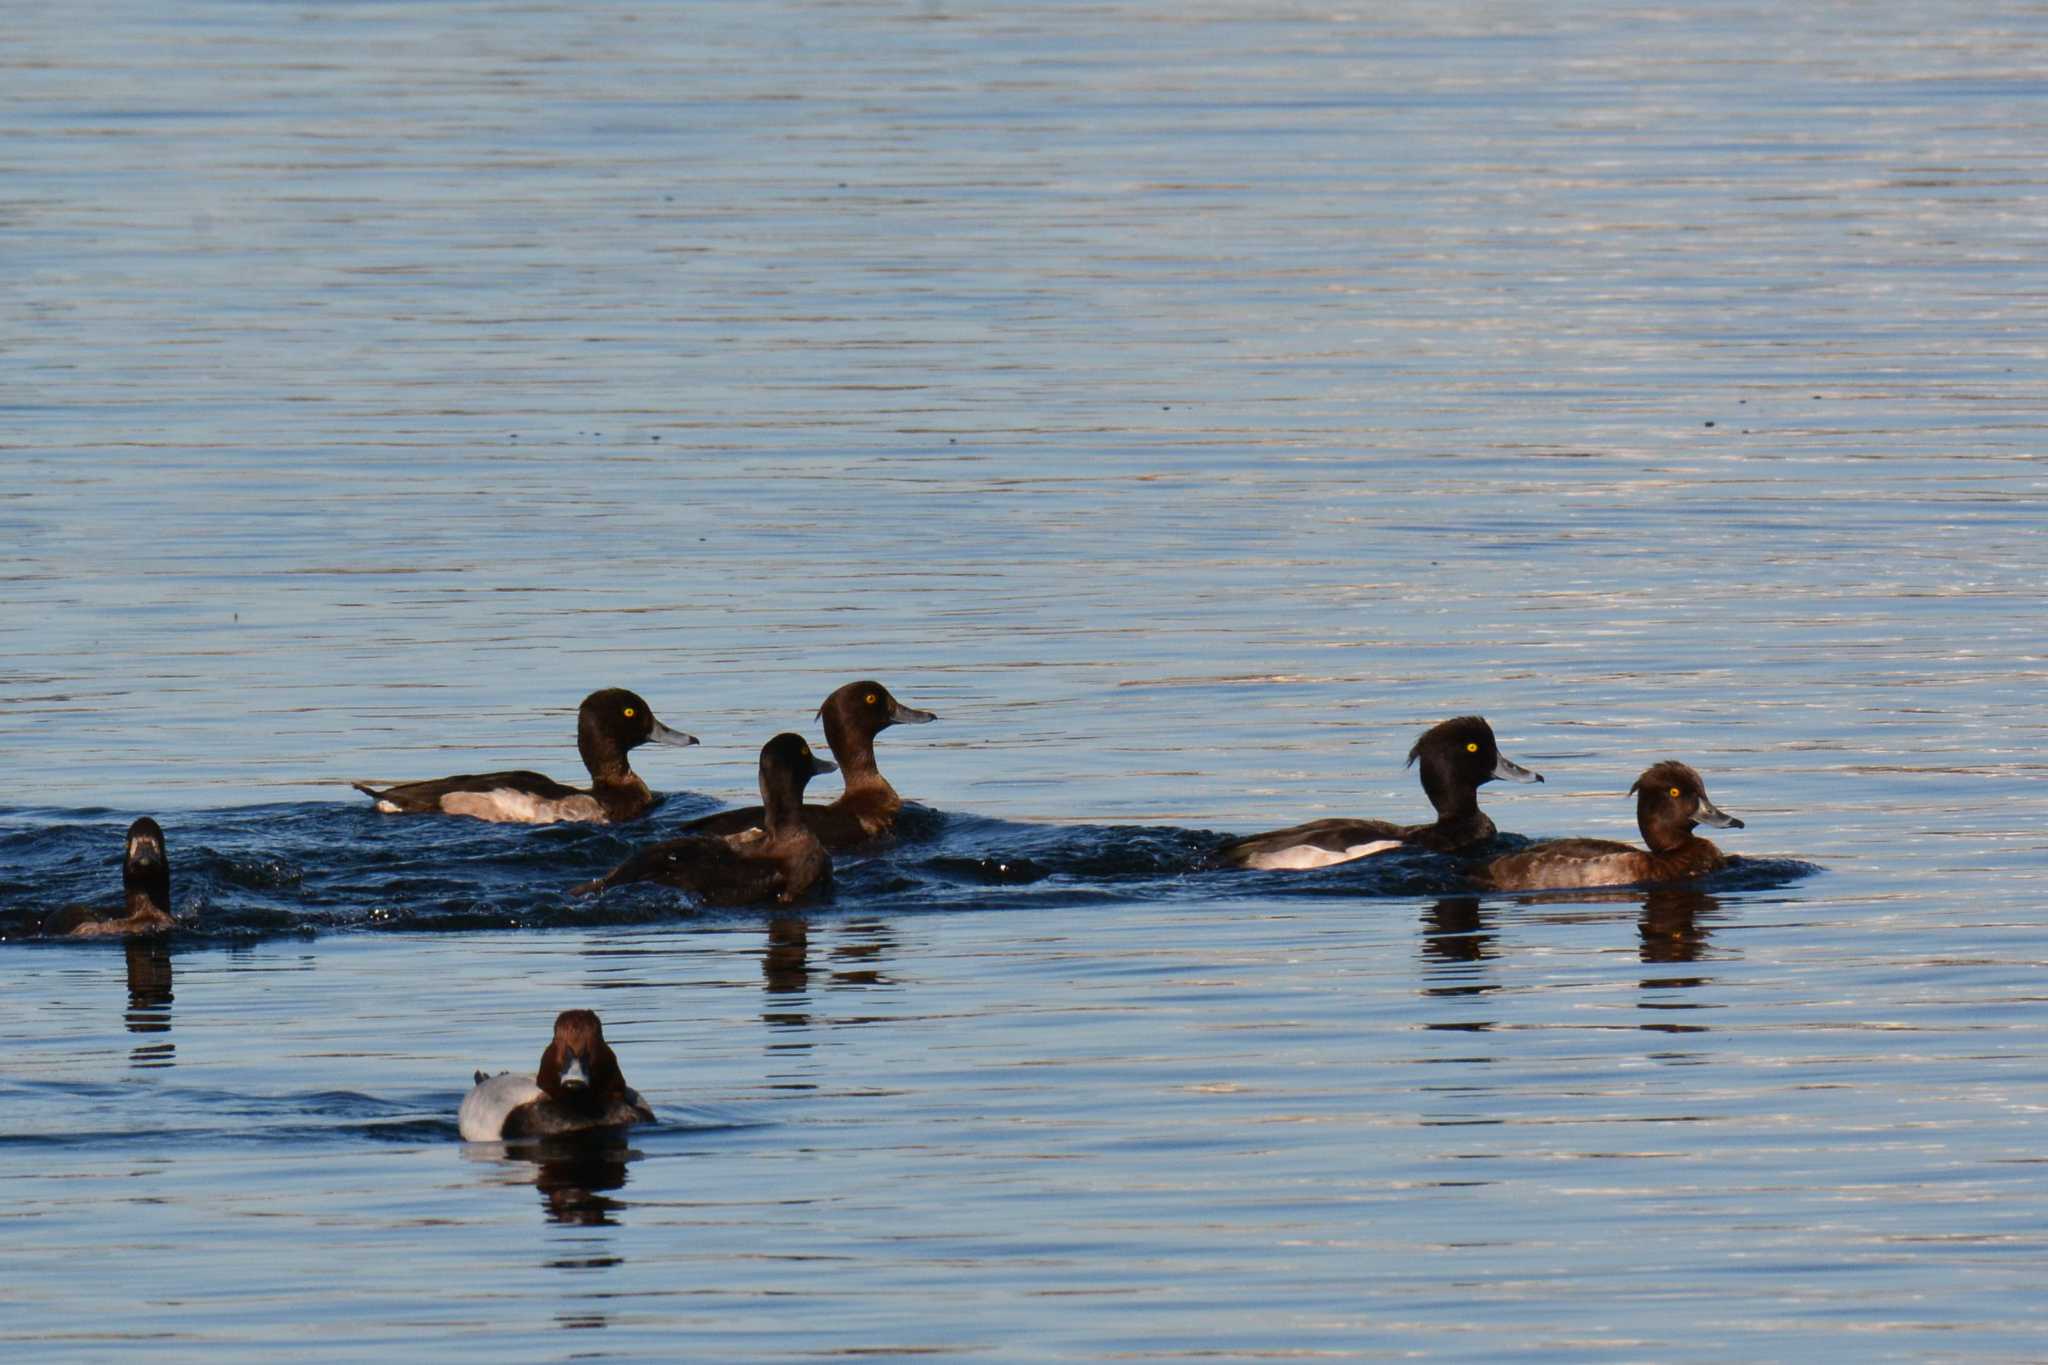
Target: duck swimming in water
column 867, row 809
column 145, row 876
column 608, row 724
column 577, row 1088
column 1457, row 758
column 1670, row 800
column 779, row 860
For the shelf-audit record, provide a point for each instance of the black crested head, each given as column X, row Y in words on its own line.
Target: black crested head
column 613, row 720
column 1457, row 756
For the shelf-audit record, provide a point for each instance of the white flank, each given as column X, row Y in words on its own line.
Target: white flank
column 507, row 806
column 1304, row 856
column 484, row 1109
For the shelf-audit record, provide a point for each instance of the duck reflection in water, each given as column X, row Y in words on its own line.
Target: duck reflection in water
column 1671, row 930
column 148, row 964
column 786, row 971
column 573, row 1181
column 149, row 986
column 149, row 999
column 866, row 956
column 574, row 1173
column 1457, row 930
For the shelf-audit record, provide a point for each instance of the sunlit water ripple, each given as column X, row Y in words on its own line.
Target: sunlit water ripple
column 1189, row 407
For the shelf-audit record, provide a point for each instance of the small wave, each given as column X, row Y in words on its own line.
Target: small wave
column 320, row 867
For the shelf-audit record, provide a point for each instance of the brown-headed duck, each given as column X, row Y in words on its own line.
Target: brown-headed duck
column 577, row 1089
column 867, row 809
column 608, row 724
column 1456, row 758
column 779, row 859
column 1670, row 799
column 145, row 876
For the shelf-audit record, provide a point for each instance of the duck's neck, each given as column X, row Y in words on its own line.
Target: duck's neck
column 605, row 760
column 149, row 891
column 1461, row 827
column 622, row 799
column 1664, row 835
column 782, row 806
column 1454, row 800
column 855, row 750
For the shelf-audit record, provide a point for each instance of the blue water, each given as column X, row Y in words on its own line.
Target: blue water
column 1190, row 406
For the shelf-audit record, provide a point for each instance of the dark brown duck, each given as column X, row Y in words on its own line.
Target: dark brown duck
column 780, row 859
column 868, row 807
column 146, row 880
column 1670, row 800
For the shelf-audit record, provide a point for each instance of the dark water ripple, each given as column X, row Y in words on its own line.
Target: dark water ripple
column 314, row 868
column 1188, row 404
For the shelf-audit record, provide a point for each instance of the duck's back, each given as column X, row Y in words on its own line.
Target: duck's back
column 1318, row 843
column 84, row 921
column 422, row 797
column 842, row 825
column 1563, row 863
column 510, row 1106
column 754, row 867
column 521, row 798
column 742, row 869
column 725, row 823
column 546, row 1118
column 73, row 919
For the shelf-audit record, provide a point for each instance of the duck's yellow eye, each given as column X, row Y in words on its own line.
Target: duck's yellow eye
column 1471, row 748
column 629, row 713
column 872, row 699
column 1676, row 792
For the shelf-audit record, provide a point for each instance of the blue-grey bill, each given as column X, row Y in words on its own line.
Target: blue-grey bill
column 661, row 734
column 1505, row 767
column 1711, row 814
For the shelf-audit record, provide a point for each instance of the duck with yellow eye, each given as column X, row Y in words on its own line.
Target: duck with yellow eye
column 780, row 860
column 1670, row 800
column 610, row 722
column 868, row 807
column 1457, row 758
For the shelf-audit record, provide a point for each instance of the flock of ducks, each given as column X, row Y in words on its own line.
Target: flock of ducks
column 780, row 851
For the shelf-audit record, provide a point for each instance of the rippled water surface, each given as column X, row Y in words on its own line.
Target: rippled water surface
column 1190, row 404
